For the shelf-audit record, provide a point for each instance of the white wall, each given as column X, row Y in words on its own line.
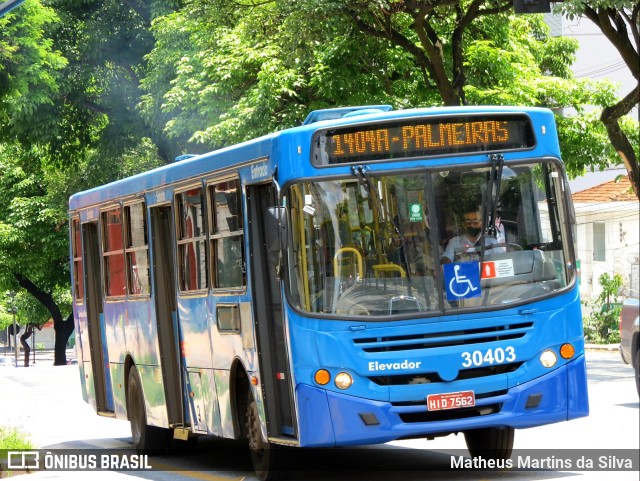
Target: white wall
column 622, row 243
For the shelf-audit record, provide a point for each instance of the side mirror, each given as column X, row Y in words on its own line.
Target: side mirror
column 276, row 229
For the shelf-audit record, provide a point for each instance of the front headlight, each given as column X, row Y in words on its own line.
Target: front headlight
column 548, row 358
column 343, row 380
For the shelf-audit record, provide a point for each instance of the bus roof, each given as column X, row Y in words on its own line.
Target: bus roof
column 264, row 147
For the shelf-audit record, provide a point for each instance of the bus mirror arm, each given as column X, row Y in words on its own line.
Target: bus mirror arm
column 276, row 229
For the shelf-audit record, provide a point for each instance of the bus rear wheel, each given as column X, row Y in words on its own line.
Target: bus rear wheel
column 146, row 439
column 268, row 459
column 490, row 443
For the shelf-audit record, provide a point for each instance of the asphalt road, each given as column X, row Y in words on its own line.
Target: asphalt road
column 45, row 401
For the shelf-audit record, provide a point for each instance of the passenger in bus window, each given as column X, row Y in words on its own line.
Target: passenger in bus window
column 500, row 232
column 467, row 244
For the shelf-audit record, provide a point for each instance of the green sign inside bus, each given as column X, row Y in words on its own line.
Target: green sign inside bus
column 415, row 213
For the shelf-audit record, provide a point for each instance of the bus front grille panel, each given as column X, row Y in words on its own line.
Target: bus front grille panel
column 425, row 416
column 429, row 377
column 416, row 411
column 443, row 339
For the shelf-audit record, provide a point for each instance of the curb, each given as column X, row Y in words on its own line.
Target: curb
column 602, row 347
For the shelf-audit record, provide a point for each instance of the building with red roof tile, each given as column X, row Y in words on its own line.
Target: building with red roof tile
column 607, row 235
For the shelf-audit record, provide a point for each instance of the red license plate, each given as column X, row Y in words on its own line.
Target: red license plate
column 451, row 400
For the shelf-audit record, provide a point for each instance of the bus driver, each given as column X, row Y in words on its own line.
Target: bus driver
column 469, row 241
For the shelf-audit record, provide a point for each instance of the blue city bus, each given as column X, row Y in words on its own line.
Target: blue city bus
column 369, row 276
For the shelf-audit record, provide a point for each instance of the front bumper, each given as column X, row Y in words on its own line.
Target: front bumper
column 334, row 419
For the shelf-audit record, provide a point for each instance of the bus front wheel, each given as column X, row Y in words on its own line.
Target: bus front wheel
column 146, row 439
column 268, row 459
column 490, row 443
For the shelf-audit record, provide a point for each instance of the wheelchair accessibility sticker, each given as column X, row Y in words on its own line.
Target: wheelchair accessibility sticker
column 462, row 280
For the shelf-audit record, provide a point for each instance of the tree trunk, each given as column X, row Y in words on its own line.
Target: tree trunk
column 25, row 346
column 63, row 328
column 610, row 118
column 63, row 332
column 622, row 31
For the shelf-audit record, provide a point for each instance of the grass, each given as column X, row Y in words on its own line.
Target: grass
column 12, row 438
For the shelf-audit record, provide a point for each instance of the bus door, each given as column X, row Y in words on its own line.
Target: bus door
column 95, row 319
column 277, row 391
column 166, row 310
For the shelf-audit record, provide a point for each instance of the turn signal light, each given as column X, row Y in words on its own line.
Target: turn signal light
column 567, row 351
column 322, row 377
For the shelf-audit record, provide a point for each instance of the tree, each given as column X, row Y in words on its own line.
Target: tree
column 223, row 72
column 67, row 111
column 30, row 70
column 25, row 346
column 602, row 324
column 477, row 52
column 432, row 32
column 105, row 43
column 33, row 238
column 619, row 22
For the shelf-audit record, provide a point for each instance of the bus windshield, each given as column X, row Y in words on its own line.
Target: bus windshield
column 406, row 244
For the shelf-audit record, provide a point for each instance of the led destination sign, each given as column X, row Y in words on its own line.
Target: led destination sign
column 423, row 137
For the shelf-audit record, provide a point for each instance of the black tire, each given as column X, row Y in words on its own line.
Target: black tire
column 490, row 443
column 146, row 439
column 268, row 459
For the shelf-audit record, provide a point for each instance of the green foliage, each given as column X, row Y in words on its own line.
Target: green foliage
column 226, row 75
column 29, row 310
column 30, row 69
column 601, row 326
column 573, row 9
column 13, row 438
column 33, row 232
column 584, row 144
column 6, row 318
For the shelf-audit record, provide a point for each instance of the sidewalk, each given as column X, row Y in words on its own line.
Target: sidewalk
column 40, row 357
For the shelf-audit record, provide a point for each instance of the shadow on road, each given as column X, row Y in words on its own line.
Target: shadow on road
column 231, row 459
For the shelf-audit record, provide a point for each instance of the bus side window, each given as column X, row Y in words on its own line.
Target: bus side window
column 227, row 236
column 192, row 266
column 113, row 253
column 137, row 249
column 78, row 271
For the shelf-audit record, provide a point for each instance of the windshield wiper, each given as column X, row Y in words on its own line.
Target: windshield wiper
column 365, row 180
column 490, row 212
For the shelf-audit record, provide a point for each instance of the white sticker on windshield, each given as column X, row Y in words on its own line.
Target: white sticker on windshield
column 499, row 268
